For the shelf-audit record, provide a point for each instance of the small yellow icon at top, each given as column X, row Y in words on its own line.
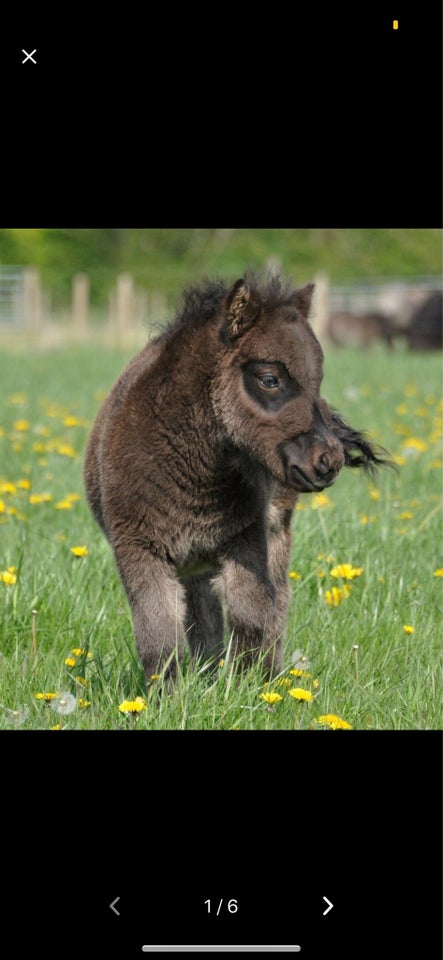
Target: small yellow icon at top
column 395, row 24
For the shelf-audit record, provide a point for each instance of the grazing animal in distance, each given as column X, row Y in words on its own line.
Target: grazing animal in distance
column 425, row 329
column 346, row 329
column 196, row 460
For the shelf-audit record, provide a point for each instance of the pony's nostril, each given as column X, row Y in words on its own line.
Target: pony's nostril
column 323, row 465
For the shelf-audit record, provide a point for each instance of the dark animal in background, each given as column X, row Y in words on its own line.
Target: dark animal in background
column 345, row 329
column 196, row 460
column 425, row 330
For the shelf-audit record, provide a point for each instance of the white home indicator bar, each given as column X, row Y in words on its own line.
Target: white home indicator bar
column 221, row 948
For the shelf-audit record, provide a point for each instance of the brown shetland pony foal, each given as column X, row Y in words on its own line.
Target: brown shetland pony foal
column 196, row 460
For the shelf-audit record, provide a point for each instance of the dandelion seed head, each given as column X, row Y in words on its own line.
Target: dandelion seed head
column 64, row 704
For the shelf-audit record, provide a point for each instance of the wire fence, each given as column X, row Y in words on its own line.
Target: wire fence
column 131, row 313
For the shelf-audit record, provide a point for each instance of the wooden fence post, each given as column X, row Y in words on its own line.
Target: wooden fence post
column 320, row 309
column 32, row 299
column 124, row 305
column 80, row 304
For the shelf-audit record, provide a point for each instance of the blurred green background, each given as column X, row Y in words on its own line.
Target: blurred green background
column 167, row 259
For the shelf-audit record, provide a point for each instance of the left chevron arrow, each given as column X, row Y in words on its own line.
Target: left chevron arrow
column 112, row 906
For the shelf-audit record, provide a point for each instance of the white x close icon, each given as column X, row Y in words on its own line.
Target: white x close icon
column 29, row 56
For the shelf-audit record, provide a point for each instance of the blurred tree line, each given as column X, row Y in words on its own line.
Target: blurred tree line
column 167, row 259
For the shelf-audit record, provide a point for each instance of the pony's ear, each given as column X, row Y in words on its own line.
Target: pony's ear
column 358, row 450
column 302, row 299
column 240, row 310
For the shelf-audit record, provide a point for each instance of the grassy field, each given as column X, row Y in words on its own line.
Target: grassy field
column 364, row 630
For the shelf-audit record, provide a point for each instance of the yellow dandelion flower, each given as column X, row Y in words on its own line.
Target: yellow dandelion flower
column 7, row 487
column 320, row 500
column 83, row 703
column 271, row 697
column 439, row 572
column 79, row 551
column 72, row 422
column 70, row 661
column 156, row 676
column 63, row 505
column 300, row 694
column 78, row 651
column 18, row 399
column 294, row 575
column 406, row 515
column 300, row 673
column 65, row 450
column 333, row 722
column 2, row 507
column 335, row 596
column 21, row 425
column 402, row 409
column 410, row 390
column 13, row 512
column 346, row 571
column 415, row 443
column 57, row 726
column 407, row 628
column 399, row 459
column 283, row 681
column 374, row 494
column 8, row 578
column 315, row 684
column 40, row 498
column 52, row 410
column 46, row 696
column 132, row 706
column 82, row 680
column 73, row 497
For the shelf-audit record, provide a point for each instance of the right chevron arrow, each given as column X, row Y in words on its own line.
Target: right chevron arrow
column 329, row 907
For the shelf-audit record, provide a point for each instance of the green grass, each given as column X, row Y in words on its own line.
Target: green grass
column 366, row 669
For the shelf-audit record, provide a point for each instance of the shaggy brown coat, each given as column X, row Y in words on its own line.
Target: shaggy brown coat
column 196, row 460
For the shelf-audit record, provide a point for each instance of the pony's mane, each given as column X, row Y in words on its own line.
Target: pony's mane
column 201, row 302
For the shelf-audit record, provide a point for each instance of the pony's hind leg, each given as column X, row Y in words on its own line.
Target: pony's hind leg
column 204, row 619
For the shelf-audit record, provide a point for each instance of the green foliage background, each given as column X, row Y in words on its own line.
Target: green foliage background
column 165, row 259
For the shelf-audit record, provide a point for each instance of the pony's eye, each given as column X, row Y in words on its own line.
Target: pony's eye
column 269, row 381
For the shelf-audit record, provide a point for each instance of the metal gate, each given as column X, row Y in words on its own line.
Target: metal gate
column 12, row 298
